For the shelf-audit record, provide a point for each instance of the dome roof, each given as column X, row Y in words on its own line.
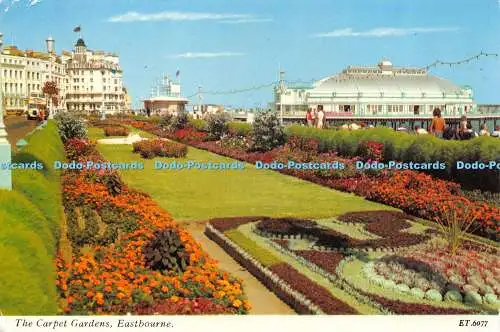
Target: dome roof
column 411, row 85
column 80, row 42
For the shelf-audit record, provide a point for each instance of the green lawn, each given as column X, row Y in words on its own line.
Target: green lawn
column 201, row 194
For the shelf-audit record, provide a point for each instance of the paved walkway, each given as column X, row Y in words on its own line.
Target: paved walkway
column 17, row 127
column 130, row 139
column 262, row 300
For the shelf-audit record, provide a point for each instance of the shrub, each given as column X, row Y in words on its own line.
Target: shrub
column 217, row 125
column 239, row 128
column 166, row 252
column 112, row 181
column 116, row 131
column 267, row 132
column 298, row 143
column 70, row 126
column 371, row 150
column 166, row 121
column 180, row 121
column 198, row 124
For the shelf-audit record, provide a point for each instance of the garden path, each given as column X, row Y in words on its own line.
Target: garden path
column 262, row 300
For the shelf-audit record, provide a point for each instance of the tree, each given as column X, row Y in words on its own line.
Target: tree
column 51, row 90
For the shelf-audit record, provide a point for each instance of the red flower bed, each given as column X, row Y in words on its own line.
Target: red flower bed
column 404, row 308
column 225, row 224
column 416, row 193
column 183, row 306
column 159, row 148
column 371, row 150
column 189, row 134
column 317, row 294
column 328, row 261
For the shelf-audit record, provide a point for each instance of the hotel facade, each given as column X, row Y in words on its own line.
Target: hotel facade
column 89, row 81
column 377, row 91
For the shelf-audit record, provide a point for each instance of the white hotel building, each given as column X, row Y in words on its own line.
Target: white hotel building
column 87, row 80
column 377, row 91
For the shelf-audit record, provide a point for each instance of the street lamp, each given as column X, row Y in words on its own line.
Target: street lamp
column 5, row 152
column 103, row 112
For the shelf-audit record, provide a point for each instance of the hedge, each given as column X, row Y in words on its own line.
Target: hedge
column 417, row 148
column 198, row 124
column 30, row 217
column 240, row 128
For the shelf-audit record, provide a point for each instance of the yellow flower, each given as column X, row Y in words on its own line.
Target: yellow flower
column 237, row 303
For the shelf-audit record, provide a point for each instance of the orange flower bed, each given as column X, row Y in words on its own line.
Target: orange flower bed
column 114, row 279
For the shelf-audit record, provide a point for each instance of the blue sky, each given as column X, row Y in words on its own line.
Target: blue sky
column 223, row 45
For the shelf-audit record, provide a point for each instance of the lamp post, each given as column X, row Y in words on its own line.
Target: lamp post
column 103, row 112
column 51, row 51
column 5, row 152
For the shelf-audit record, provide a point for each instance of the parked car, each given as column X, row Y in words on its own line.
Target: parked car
column 32, row 114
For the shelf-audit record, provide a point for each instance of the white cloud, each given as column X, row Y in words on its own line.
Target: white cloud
column 195, row 55
column 34, row 2
column 247, row 20
column 383, row 32
column 175, row 16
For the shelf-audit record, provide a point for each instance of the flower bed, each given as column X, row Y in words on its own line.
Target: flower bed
column 115, row 278
column 159, row 148
column 301, row 302
column 416, row 193
column 282, row 233
column 317, row 294
column 386, row 224
column 116, row 131
column 468, row 276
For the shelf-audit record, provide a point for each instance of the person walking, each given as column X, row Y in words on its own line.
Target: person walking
column 321, row 117
column 309, row 117
column 438, row 124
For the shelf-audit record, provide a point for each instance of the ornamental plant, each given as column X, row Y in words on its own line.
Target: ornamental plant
column 166, row 121
column 180, row 121
column 371, row 150
column 70, row 127
column 455, row 219
column 267, row 133
column 217, row 125
column 166, row 252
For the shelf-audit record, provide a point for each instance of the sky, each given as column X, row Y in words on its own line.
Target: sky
column 227, row 45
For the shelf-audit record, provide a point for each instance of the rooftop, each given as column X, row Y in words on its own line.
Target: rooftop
column 384, row 78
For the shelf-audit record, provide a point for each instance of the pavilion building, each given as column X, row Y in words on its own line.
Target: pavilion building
column 377, row 91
